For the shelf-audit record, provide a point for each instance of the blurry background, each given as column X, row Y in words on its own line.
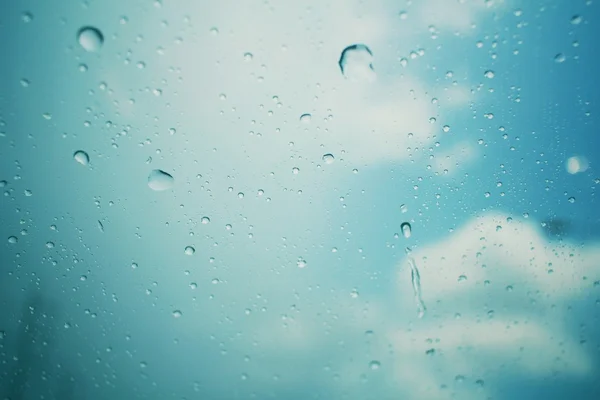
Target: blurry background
column 204, row 199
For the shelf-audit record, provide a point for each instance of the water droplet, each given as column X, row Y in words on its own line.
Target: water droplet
column 12, row 239
column 406, row 229
column 356, row 63
column 50, row 245
column 81, row 157
column 193, row 286
column 560, row 58
column 205, row 220
column 374, row 365
column 328, row 158
column 416, row 284
column 295, row 170
column 305, row 118
column 576, row 19
column 27, row 17
column 301, row 262
column 489, row 74
column 177, row 313
column 100, row 226
column 462, row 278
column 403, row 208
column 189, row 250
column 90, row 38
column 577, row 164
column 159, row 180
column 354, row 293
column 571, row 200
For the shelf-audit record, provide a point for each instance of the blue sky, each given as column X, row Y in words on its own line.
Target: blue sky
column 461, row 121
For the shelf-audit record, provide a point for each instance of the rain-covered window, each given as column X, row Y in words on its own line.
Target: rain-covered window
column 273, row 199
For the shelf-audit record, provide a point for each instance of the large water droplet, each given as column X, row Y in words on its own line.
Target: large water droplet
column 356, row 63
column 189, row 250
column 160, row 180
column 328, row 158
column 406, row 229
column 81, row 157
column 90, row 38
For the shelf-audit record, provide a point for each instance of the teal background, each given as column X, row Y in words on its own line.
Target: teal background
column 78, row 321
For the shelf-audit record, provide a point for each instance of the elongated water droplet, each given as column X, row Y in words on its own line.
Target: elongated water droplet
column 90, row 38
column 100, row 226
column 356, row 63
column 159, row 180
column 406, row 229
column 81, row 157
column 416, row 284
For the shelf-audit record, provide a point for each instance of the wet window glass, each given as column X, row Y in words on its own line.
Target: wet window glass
column 267, row 199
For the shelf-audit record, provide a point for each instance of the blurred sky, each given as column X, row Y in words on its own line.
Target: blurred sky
column 474, row 121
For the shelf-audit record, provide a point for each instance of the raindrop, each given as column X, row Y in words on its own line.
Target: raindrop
column 489, row 74
column 295, row 170
column 571, row 200
column 90, row 38
column 205, row 220
column 27, row 17
column 159, row 180
column 100, row 226
column 301, row 262
column 356, row 63
column 462, row 278
column 560, row 58
column 374, row 365
column 328, row 158
column 576, row 19
column 81, row 157
column 416, row 284
column 305, row 118
column 406, row 229
column 189, row 250
column 177, row 313
column 403, row 208
column 12, row 239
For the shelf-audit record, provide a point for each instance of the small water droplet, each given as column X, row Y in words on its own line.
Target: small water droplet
column 489, row 74
column 81, row 157
column 205, row 220
column 560, row 58
column 50, row 245
column 328, row 158
column 356, row 63
column 159, row 180
column 301, row 262
column 12, row 239
column 177, row 313
column 571, row 200
column 193, row 285
column 295, row 170
column 27, row 17
column 462, row 278
column 90, row 38
column 305, row 118
column 189, row 250
column 576, row 19
column 374, row 365
column 406, row 229
column 403, row 208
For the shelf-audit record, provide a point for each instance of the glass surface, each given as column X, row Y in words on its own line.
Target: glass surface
column 299, row 200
